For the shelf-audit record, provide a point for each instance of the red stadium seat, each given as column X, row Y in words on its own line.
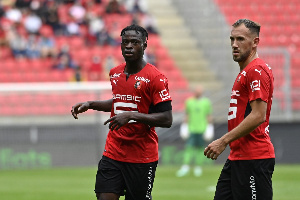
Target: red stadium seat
column 76, row 42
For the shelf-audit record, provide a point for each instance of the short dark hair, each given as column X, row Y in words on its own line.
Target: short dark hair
column 254, row 27
column 136, row 28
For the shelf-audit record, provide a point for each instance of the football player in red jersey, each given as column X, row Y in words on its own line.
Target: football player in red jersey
column 140, row 102
column 247, row 173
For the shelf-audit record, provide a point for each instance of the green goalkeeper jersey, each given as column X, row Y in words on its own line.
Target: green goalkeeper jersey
column 198, row 110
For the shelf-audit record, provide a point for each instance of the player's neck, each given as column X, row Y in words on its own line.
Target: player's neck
column 251, row 57
column 134, row 66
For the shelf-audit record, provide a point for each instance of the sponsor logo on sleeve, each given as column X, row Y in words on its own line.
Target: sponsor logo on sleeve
column 164, row 94
column 255, row 85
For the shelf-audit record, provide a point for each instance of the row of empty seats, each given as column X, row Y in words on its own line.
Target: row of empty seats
column 280, row 25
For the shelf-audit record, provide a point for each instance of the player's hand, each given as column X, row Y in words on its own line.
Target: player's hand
column 118, row 120
column 79, row 108
column 214, row 149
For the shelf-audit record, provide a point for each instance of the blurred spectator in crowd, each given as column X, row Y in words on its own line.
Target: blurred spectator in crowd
column 136, row 6
column 2, row 11
column 22, row 3
column 136, row 19
column 32, row 23
column 17, row 43
column 36, row 6
column 52, row 18
column 7, row 3
column 113, row 6
column 47, row 45
column 64, row 59
column 72, row 28
column 14, row 15
column 77, row 12
column 95, row 72
column 149, row 22
column 78, row 77
column 3, row 41
column 150, row 56
column 109, row 63
column 114, row 35
column 96, row 29
column 32, row 47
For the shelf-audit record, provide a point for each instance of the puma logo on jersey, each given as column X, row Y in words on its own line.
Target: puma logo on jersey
column 115, row 81
column 162, row 80
column 258, row 71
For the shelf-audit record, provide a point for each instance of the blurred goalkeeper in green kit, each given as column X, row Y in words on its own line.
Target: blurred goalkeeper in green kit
column 198, row 118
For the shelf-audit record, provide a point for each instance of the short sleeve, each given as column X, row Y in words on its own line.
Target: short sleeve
column 159, row 89
column 258, row 84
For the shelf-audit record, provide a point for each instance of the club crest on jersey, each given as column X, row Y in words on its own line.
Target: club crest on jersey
column 137, row 85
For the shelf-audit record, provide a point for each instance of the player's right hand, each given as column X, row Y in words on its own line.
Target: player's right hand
column 79, row 108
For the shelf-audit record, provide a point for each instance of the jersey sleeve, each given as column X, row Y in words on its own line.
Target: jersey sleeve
column 159, row 89
column 258, row 84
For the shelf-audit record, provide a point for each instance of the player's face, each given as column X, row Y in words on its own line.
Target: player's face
column 132, row 46
column 241, row 43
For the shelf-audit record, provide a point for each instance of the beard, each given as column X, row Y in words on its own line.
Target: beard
column 242, row 57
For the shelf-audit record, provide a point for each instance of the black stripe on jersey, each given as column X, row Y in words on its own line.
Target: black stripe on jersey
column 160, row 107
column 248, row 110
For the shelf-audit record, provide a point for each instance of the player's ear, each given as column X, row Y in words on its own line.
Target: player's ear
column 256, row 41
column 144, row 45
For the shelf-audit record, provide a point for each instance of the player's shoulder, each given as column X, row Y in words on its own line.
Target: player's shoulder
column 190, row 100
column 117, row 69
column 152, row 72
column 205, row 99
column 258, row 66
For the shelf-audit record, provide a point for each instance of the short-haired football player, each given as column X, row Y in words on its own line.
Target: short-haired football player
column 247, row 173
column 140, row 101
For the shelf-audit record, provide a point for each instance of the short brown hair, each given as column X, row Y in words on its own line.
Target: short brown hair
column 254, row 27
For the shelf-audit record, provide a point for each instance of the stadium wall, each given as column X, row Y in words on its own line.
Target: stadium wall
column 45, row 146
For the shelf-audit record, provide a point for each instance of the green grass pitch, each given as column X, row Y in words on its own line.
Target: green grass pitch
column 78, row 184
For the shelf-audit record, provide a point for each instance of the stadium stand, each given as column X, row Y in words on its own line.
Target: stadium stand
column 75, row 43
column 280, row 22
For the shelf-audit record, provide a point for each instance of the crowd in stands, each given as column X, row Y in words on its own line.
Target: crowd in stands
column 44, row 29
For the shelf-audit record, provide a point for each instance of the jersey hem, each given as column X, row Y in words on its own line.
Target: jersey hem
column 130, row 160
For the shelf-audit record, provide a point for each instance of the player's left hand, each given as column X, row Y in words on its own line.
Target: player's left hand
column 214, row 149
column 118, row 120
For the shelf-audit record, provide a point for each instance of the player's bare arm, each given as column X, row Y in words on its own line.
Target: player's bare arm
column 78, row 108
column 162, row 119
column 251, row 122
